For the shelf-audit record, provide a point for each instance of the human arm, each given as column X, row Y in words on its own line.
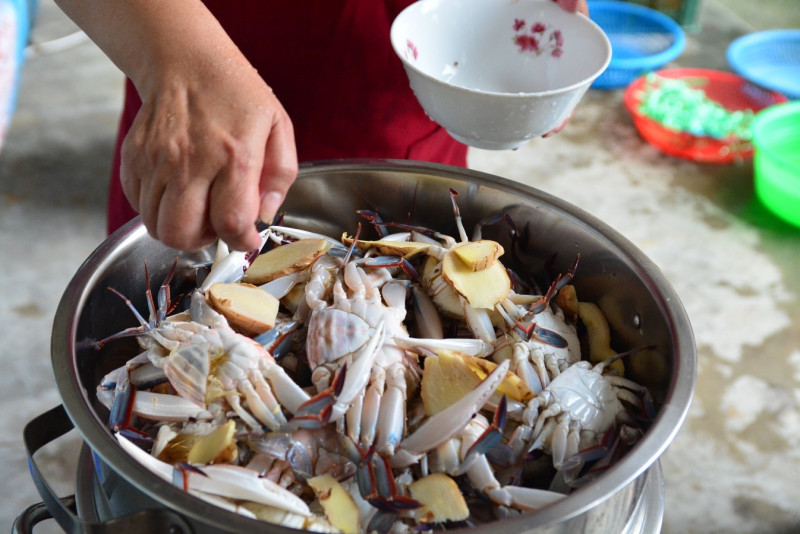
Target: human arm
column 211, row 149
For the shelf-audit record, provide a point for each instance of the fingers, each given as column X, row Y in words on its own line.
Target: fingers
column 558, row 128
column 180, row 214
column 254, row 185
column 279, row 170
column 198, row 172
column 234, row 200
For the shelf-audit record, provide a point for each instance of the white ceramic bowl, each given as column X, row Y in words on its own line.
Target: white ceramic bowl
column 496, row 73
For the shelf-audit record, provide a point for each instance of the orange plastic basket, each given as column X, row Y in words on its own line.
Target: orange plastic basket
column 729, row 90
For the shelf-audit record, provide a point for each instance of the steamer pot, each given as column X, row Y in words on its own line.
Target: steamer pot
column 642, row 308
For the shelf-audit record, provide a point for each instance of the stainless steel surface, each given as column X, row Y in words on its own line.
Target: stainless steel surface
column 639, row 302
column 93, row 502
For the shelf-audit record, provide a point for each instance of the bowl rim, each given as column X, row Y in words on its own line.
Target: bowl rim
column 501, row 94
column 740, row 44
column 656, row 60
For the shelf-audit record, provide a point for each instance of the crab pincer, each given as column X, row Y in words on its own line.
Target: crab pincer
column 316, row 412
column 447, row 423
column 375, row 479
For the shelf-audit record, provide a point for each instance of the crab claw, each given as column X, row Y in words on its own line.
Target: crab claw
column 278, row 340
column 491, row 437
column 180, row 475
column 466, row 345
column 448, row 422
column 230, row 481
column 375, row 479
column 542, row 334
column 561, row 280
column 316, row 412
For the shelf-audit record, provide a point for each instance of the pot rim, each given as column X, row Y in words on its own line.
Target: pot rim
column 636, row 461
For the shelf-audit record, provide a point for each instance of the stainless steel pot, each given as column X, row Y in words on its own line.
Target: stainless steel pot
column 640, row 304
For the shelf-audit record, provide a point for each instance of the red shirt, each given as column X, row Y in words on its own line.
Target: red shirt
column 331, row 64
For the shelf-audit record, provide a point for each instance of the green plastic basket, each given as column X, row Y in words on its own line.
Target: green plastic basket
column 683, row 11
column 776, row 161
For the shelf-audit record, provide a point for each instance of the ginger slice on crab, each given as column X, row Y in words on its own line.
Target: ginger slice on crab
column 285, row 259
column 339, row 507
column 599, row 335
column 216, row 447
column 440, row 498
column 482, row 288
column 246, row 306
column 478, row 255
column 567, row 300
column 449, row 375
column 598, row 332
column 406, row 249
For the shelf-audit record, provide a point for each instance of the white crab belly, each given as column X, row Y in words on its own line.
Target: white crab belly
column 588, row 398
column 549, row 320
column 333, row 333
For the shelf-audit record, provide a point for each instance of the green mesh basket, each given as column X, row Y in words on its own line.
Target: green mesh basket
column 683, row 11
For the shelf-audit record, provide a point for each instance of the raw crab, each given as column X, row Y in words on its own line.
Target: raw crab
column 292, row 390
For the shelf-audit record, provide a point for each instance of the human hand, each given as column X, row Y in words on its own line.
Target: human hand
column 574, row 6
column 210, row 151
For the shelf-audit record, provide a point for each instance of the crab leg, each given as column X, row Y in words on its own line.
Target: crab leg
column 429, row 322
column 357, row 376
column 159, row 406
column 531, row 499
column 230, row 481
column 316, row 411
column 281, row 233
column 449, row 422
column 469, row 346
column 376, row 483
column 230, row 266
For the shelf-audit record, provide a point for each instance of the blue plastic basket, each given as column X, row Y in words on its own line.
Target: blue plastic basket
column 770, row 59
column 15, row 21
column 642, row 40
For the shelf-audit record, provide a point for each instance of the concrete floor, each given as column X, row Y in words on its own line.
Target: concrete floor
column 733, row 466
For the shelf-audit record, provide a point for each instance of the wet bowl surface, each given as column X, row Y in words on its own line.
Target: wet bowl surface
column 494, row 73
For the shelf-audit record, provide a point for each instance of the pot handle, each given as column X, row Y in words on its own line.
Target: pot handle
column 46, row 428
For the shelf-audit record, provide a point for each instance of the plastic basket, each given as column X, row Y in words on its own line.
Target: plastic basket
column 770, row 59
column 15, row 21
column 776, row 164
column 642, row 40
column 684, row 12
column 730, row 90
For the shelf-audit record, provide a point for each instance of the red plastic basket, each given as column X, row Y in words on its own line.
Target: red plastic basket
column 730, row 90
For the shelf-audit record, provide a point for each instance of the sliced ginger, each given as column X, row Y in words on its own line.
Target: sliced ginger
column 482, row 289
column 597, row 330
column 340, row 508
column 599, row 335
column 244, row 305
column 218, row 446
column 567, row 300
column 440, row 498
column 285, row 259
column 215, row 447
column 449, row 375
column 406, row 249
column 478, row 255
